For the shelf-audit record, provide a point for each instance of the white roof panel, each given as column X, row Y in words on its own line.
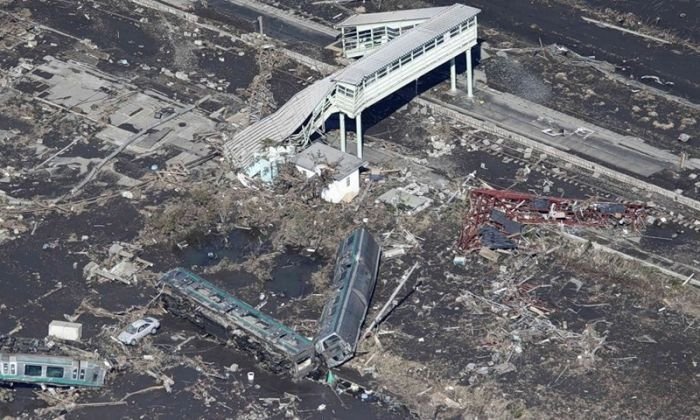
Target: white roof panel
column 395, row 49
column 279, row 125
column 387, row 17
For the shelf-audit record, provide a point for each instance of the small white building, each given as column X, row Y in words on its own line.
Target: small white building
column 71, row 331
column 344, row 169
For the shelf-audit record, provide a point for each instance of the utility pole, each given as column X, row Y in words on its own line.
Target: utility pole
column 386, row 309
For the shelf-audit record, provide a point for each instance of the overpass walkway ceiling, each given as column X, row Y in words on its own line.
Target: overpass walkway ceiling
column 441, row 23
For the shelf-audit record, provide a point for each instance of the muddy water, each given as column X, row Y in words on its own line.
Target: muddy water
column 554, row 23
column 204, row 251
column 291, row 275
column 33, row 265
column 120, row 37
column 680, row 16
column 10, row 123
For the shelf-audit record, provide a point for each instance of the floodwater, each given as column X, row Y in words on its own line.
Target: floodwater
column 291, row 275
column 635, row 56
column 54, row 256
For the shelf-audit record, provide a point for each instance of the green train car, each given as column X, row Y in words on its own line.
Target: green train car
column 51, row 370
column 354, row 279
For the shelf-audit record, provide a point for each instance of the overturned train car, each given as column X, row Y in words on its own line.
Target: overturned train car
column 354, row 279
column 222, row 315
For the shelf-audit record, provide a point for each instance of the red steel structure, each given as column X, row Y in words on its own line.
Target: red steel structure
column 528, row 209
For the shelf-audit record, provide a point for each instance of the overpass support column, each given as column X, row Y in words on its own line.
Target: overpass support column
column 470, row 82
column 358, row 131
column 453, row 75
column 343, row 141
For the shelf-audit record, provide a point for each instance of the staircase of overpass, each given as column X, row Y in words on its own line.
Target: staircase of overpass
column 437, row 35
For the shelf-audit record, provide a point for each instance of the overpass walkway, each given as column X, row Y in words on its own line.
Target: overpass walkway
column 402, row 59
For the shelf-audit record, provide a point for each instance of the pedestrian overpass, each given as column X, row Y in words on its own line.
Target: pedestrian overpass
column 396, row 48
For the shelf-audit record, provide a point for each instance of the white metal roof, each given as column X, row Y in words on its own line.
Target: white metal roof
column 395, row 49
column 393, row 16
column 279, row 125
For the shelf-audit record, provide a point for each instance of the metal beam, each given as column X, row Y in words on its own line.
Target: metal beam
column 469, row 73
column 343, row 138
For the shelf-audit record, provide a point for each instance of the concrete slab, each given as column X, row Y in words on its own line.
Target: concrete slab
column 100, row 97
column 404, row 200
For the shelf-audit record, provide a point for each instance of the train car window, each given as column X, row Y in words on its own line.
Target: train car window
column 5, row 367
column 82, row 374
column 54, row 372
column 13, row 369
column 75, row 373
column 32, row 370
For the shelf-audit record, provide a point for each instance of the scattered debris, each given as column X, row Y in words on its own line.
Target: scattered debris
column 495, row 216
column 124, row 262
column 404, row 199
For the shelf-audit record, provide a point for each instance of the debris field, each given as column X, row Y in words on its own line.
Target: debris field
column 510, row 282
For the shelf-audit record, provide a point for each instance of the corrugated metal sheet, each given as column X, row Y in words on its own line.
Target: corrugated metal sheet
column 279, row 125
column 393, row 50
column 492, row 238
column 386, row 17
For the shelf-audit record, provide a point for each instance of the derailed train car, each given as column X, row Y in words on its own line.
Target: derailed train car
column 222, row 315
column 354, row 279
column 31, row 362
column 50, row 370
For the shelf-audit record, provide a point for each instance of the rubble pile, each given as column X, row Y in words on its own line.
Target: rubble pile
column 495, row 217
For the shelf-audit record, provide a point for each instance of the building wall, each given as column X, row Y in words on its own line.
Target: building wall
column 342, row 190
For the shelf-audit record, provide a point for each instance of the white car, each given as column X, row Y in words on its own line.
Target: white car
column 139, row 329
